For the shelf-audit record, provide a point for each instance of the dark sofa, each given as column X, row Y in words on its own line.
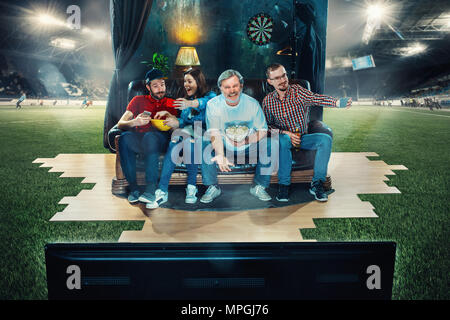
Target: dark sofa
column 303, row 160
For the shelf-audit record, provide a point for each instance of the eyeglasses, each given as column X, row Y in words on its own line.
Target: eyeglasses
column 279, row 78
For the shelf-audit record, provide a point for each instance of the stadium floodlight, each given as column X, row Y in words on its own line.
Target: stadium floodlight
column 416, row 48
column 46, row 19
column 376, row 14
column 376, row 11
column 63, row 43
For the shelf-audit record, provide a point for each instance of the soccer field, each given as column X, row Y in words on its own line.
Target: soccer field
column 417, row 219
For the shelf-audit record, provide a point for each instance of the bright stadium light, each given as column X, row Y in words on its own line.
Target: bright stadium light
column 416, row 48
column 63, row 43
column 376, row 11
column 46, row 19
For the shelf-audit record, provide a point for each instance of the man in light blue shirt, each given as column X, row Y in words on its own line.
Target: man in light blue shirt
column 237, row 127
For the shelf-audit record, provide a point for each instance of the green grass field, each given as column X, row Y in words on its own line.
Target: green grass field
column 417, row 219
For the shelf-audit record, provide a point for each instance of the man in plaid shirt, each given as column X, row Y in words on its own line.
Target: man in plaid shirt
column 287, row 113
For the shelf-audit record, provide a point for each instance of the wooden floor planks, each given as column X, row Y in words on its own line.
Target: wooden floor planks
column 352, row 173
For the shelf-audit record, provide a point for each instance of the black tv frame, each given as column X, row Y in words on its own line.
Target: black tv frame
column 220, row 271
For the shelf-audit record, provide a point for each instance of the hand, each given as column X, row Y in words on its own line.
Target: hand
column 162, row 114
column 295, row 138
column 141, row 120
column 182, row 104
column 172, row 122
column 223, row 162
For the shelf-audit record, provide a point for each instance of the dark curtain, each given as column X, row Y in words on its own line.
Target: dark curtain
column 311, row 54
column 311, row 51
column 128, row 20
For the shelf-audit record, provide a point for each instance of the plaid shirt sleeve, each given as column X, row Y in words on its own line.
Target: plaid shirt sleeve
column 315, row 99
column 271, row 124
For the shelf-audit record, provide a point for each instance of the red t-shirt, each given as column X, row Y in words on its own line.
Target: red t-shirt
column 140, row 104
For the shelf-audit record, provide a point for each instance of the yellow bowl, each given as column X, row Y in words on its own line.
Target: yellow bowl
column 158, row 124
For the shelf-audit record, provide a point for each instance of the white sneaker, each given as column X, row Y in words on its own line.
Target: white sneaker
column 191, row 191
column 210, row 194
column 160, row 198
column 260, row 192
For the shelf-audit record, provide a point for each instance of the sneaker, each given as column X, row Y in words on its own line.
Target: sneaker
column 283, row 193
column 260, row 192
column 160, row 198
column 133, row 196
column 210, row 194
column 191, row 191
column 318, row 192
column 147, row 197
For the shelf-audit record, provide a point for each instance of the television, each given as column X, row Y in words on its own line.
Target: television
column 363, row 63
column 220, row 271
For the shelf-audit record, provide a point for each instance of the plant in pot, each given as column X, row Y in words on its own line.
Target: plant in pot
column 158, row 61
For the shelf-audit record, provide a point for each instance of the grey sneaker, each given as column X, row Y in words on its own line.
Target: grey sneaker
column 210, row 194
column 133, row 197
column 160, row 198
column 147, row 197
column 260, row 192
column 191, row 191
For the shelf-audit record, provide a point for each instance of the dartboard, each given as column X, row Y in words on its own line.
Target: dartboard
column 259, row 29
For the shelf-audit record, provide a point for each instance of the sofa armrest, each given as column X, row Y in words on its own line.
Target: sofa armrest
column 112, row 133
column 317, row 126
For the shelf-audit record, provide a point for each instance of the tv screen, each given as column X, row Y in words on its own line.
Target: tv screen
column 363, row 63
column 179, row 271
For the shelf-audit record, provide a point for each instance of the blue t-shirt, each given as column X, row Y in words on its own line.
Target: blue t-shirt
column 235, row 123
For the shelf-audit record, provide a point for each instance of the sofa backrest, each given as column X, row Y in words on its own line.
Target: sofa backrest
column 256, row 88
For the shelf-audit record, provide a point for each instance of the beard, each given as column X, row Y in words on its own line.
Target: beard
column 233, row 101
column 283, row 87
column 158, row 95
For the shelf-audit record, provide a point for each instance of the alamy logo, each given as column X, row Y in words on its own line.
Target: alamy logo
column 74, row 20
column 74, row 280
column 374, row 281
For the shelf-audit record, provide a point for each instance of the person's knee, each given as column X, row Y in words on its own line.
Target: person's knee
column 325, row 140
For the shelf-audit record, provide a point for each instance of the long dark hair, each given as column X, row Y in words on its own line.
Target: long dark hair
column 199, row 77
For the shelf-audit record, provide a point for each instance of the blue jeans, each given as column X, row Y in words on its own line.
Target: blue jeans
column 173, row 151
column 151, row 144
column 264, row 163
column 320, row 142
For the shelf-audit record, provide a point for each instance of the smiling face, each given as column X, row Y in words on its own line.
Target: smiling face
column 278, row 79
column 190, row 85
column 157, row 88
column 231, row 89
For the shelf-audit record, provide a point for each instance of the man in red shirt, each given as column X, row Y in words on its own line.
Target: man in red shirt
column 141, row 137
column 287, row 113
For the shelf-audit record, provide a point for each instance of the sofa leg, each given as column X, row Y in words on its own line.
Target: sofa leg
column 119, row 186
column 119, row 172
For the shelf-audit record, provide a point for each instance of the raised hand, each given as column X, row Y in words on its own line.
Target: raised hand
column 141, row 120
column 162, row 114
column 172, row 121
column 182, row 103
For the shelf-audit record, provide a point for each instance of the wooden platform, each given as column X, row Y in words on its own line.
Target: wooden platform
column 352, row 173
